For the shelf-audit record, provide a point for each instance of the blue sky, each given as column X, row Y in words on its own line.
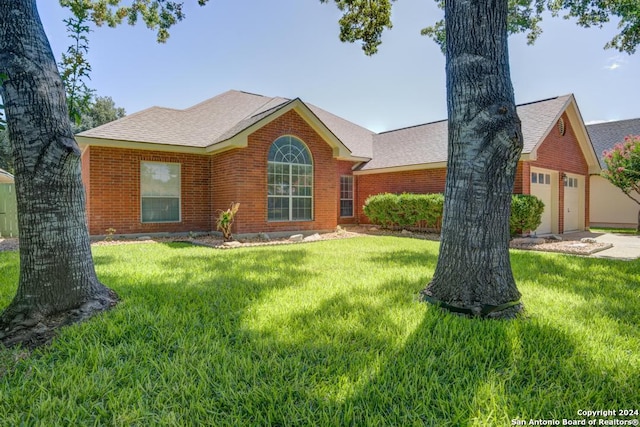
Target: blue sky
column 290, row 48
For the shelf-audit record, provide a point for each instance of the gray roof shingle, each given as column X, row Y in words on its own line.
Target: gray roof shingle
column 218, row 119
column 605, row 135
column 222, row 117
column 427, row 143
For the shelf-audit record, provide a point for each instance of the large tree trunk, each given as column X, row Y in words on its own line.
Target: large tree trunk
column 58, row 283
column 473, row 274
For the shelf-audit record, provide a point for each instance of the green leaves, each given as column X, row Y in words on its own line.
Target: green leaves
column 158, row 15
column 623, row 166
column 364, row 20
column 525, row 16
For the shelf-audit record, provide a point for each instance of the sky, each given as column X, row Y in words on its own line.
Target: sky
column 290, row 48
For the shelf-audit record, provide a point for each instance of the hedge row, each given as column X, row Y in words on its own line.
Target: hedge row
column 425, row 211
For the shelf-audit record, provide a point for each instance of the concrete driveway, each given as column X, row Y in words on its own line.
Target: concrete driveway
column 625, row 246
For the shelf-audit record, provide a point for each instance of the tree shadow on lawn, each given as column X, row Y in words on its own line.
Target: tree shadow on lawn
column 589, row 286
column 223, row 282
column 240, row 338
column 449, row 371
column 456, row 371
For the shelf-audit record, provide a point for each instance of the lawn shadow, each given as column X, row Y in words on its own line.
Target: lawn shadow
column 455, row 371
column 607, row 287
column 207, row 295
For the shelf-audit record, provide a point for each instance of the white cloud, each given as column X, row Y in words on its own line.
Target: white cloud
column 615, row 62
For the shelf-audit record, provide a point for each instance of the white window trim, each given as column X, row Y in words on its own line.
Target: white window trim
column 142, row 221
column 352, row 196
column 290, row 196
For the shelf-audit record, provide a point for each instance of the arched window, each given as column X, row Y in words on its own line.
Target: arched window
column 289, row 181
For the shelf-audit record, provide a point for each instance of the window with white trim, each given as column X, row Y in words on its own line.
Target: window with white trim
column 540, row 178
column 289, row 181
column 346, row 196
column 160, row 192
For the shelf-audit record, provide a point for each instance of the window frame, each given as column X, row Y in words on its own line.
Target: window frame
column 350, row 190
column 178, row 197
column 285, row 170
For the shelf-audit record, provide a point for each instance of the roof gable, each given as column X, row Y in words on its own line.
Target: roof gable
column 223, row 122
column 425, row 146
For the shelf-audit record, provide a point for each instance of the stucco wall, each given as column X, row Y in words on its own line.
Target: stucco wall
column 609, row 206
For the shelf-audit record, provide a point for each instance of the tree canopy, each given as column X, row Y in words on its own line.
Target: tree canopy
column 366, row 20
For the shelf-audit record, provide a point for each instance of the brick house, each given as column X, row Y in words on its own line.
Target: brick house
column 295, row 167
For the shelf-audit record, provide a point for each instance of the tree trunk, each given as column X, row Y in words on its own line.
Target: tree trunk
column 58, row 284
column 473, row 274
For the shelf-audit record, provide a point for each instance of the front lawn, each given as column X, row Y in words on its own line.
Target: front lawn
column 327, row 334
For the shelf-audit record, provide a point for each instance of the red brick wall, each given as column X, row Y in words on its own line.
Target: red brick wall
column 240, row 175
column 85, row 162
column 416, row 181
column 114, row 185
column 346, row 168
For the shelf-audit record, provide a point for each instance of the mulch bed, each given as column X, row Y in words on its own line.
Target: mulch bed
column 584, row 248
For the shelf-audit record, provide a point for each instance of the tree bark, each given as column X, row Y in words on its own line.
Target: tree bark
column 473, row 274
column 58, row 284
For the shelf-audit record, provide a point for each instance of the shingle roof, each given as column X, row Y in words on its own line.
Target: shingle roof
column 222, row 117
column 218, row 119
column 5, row 177
column 605, row 135
column 427, row 143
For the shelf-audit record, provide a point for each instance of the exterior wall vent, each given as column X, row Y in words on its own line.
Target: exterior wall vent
column 561, row 127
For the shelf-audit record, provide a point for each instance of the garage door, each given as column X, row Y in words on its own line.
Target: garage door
column 573, row 205
column 542, row 189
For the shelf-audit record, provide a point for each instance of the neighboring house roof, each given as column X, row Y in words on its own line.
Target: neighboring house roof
column 5, row 177
column 426, row 145
column 219, row 123
column 605, row 135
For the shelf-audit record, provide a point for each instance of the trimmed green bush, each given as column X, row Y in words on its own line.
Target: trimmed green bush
column 526, row 213
column 405, row 210
column 425, row 211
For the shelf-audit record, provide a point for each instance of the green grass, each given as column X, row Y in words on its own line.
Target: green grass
column 613, row 230
column 328, row 333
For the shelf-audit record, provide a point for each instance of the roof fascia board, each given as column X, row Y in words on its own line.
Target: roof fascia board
column 406, row 168
column 133, row 145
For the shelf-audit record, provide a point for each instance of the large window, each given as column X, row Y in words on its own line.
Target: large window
column 160, row 190
column 289, row 181
column 346, row 196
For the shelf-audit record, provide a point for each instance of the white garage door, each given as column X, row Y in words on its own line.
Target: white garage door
column 541, row 188
column 573, row 205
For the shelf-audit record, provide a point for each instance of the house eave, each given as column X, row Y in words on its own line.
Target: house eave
column 85, row 141
column 403, row 168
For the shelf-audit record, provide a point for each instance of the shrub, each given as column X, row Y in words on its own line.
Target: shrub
column 225, row 220
column 526, row 213
column 405, row 210
column 425, row 211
